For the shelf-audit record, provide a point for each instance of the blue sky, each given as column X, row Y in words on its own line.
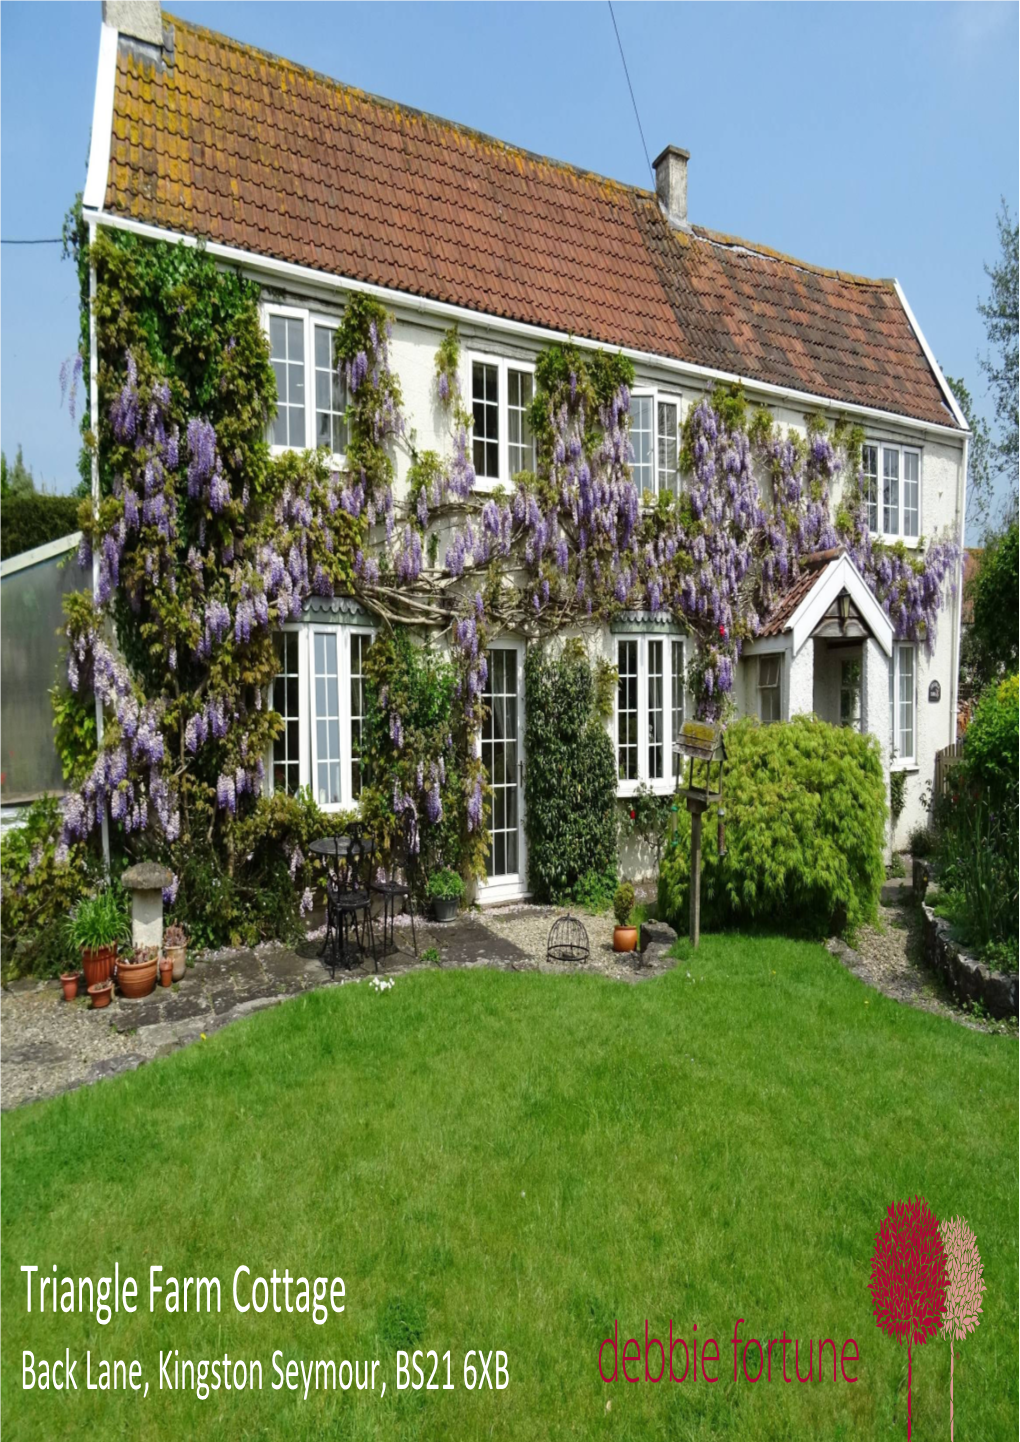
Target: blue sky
column 874, row 138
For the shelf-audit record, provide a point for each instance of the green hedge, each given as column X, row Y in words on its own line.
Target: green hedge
column 30, row 521
column 991, row 742
column 805, row 833
column 569, row 779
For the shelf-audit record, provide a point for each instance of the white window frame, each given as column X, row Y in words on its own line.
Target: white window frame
column 898, row 760
column 307, row 734
column 309, row 319
column 659, row 397
column 879, row 528
column 504, row 364
column 664, row 784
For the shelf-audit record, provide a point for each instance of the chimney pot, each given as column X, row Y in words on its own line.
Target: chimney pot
column 671, row 185
column 138, row 19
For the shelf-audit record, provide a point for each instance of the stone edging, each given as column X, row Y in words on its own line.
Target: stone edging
column 970, row 979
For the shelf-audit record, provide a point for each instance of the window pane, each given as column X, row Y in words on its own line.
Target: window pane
column 770, row 672
column 911, row 493
column 327, row 720
column 286, row 757
column 330, row 396
column 677, row 699
column 641, row 442
column 485, row 408
column 870, row 467
column 520, row 390
column 667, row 447
column 626, row 710
column 891, row 491
column 906, row 694
column 287, row 353
column 655, row 717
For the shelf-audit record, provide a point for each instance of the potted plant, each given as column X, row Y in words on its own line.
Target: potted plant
column 96, row 927
column 137, row 977
column 166, row 971
column 69, row 981
column 175, row 948
column 445, row 889
column 625, row 935
column 101, row 993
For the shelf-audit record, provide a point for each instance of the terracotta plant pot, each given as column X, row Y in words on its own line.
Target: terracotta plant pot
column 136, row 978
column 166, row 971
column 178, row 955
column 101, row 993
column 624, row 938
column 69, row 981
column 98, row 964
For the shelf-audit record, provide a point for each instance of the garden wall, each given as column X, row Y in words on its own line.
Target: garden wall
column 970, row 979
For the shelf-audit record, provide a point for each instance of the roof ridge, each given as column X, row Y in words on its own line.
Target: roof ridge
column 399, row 107
column 736, row 242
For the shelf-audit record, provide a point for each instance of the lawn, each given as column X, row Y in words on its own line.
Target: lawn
column 510, row 1161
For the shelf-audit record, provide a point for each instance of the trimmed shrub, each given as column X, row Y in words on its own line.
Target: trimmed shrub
column 990, row 745
column 570, row 778
column 805, row 832
column 32, row 520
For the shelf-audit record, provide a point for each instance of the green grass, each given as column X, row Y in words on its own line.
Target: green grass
column 510, row 1161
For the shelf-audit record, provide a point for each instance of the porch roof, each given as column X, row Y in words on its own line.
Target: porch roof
column 801, row 608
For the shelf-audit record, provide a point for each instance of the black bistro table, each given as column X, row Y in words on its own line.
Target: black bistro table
column 335, row 851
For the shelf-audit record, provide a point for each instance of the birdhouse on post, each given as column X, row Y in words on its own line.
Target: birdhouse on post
column 702, row 747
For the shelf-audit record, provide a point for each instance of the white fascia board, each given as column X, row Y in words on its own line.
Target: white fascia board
column 839, row 575
column 766, row 646
column 946, row 389
column 316, row 279
column 38, row 554
column 102, row 120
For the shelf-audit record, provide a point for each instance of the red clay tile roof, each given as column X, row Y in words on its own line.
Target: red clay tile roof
column 813, row 568
column 243, row 148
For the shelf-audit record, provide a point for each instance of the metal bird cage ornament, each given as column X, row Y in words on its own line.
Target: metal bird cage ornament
column 702, row 746
column 568, row 942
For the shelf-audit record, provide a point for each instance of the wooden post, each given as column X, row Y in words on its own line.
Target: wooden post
column 696, row 807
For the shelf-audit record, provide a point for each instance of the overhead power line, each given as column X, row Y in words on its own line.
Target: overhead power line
column 56, row 240
column 630, row 87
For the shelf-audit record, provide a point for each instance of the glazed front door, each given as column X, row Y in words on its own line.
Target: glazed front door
column 501, row 754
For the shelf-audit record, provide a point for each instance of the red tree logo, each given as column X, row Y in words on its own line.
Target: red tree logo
column 908, row 1278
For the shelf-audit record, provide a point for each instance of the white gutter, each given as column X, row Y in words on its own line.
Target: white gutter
column 961, row 510
column 38, row 554
column 102, row 120
column 304, row 275
column 951, row 400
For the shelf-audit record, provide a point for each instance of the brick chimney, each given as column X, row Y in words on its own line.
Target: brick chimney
column 138, row 19
column 671, row 185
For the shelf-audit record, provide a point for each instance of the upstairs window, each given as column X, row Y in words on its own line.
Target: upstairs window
column 311, row 397
column 501, row 396
column 485, row 407
column 668, row 447
column 892, row 490
column 520, row 394
column 655, row 443
column 641, row 411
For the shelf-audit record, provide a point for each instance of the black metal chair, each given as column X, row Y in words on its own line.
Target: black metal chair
column 347, row 899
column 392, row 889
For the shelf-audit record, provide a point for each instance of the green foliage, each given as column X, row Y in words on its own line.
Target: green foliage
column 570, row 778
column 979, row 472
column 15, row 481
column 99, row 921
column 805, row 832
column 38, row 892
column 74, row 727
column 31, row 519
column 897, row 791
column 991, row 642
column 646, row 816
column 921, row 841
column 1001, row 315
column 593, row 891
column 992, row 740
column 445, row 885
column 623, row 903
column 430, row 956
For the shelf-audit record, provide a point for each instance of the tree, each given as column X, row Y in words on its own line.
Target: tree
column 991, row 643
column 908, row 1278
column 979, row 464
column 1000, row 314
column 16, row 480
column 963, row 1293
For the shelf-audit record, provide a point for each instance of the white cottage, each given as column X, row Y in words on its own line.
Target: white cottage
column 317, row 189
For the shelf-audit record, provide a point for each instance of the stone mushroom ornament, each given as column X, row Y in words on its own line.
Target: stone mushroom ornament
column 146, row 881
column 965, row 1284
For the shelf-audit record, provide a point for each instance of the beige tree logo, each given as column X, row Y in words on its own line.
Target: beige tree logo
column 965, row 1285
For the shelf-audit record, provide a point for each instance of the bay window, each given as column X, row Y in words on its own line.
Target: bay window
column 892, row 490
column 902, row 703
column 649, row 710
column 319, row 691
column 311, row 396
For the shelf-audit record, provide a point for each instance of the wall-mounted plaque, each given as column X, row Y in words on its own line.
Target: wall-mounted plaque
column 934, row 691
